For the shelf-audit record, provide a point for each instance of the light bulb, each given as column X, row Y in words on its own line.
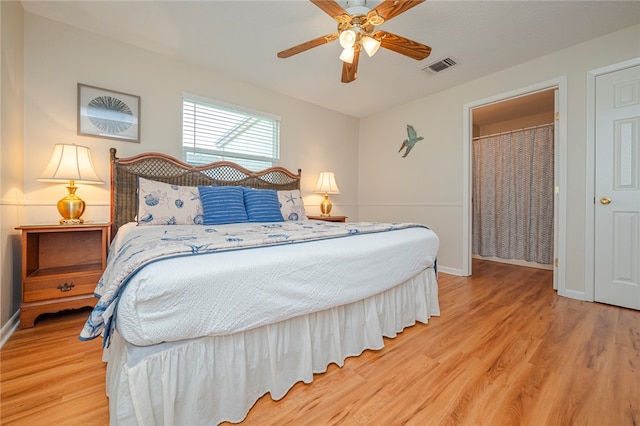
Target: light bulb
column 347, row 55
column 370, row 45
column 347, row 38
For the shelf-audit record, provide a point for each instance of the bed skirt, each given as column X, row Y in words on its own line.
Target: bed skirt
column 209, row 380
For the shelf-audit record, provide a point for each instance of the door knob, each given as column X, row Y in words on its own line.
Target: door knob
column 605, row 200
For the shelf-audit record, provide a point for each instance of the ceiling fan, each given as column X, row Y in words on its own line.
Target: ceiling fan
column 357, row 31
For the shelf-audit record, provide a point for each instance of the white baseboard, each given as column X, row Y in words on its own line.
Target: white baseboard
column 516, row 262
column 7, row 330
column 573, row 294
column 451, row 271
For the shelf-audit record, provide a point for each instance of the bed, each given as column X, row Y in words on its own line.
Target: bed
column 200, row 320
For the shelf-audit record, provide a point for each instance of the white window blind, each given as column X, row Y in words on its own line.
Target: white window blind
column 214, row 132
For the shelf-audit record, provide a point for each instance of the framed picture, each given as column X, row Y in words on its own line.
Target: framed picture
column 108, row 114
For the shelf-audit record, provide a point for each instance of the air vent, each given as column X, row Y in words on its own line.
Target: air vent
column 439, row 66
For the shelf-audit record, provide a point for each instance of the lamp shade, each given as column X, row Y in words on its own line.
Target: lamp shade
column 347, row 38
column 370, row 45
column 347, row 55
column 70, row 163
column 327, row 184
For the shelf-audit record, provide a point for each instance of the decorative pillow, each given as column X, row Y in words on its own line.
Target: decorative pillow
column 222, row 204
column 161, row 203
column 262, row 205
column 291, row 205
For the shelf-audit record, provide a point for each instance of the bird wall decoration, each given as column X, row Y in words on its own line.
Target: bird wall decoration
column 410, row 142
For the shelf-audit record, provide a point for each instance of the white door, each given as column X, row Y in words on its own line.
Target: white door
column 617, row 188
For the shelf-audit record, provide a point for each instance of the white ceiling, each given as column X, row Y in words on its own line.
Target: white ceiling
column 241, row 39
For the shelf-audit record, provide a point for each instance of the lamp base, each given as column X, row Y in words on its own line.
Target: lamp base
column 325, row 206
column 71, row 207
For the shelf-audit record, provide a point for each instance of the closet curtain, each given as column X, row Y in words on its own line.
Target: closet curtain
column 513, row 195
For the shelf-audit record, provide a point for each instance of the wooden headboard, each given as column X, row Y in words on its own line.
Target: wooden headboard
column 163, row 168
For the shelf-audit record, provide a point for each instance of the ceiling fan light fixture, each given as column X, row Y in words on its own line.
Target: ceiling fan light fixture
column 347, row 55
column 347, row 39
column 357, row 31
column 370, row 45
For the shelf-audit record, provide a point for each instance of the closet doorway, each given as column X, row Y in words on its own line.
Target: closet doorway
column 512, row 158
column 513, row 180
column 506, row 105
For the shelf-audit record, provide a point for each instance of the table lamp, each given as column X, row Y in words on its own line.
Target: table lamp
column 327, row 185
column 70, row 163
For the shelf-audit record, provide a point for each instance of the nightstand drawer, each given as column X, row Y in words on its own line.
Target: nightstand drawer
column 55, row 288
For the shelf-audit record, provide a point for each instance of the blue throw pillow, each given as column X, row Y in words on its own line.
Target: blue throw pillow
column 222, row 204
column 262, row 205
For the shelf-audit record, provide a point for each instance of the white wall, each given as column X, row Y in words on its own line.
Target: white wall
column 427, row 185
column 11, row 152
column 57, row 57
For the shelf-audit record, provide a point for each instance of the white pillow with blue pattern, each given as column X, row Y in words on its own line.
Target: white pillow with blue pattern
column 291, row 205
column 161, row 203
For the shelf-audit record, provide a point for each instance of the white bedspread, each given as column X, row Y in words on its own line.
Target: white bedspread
column 258, row 286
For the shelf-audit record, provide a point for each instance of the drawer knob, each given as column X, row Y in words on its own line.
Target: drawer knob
column 66, row 287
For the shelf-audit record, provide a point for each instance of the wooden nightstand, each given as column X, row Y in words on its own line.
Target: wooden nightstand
column 61, row 265
column 329, row 218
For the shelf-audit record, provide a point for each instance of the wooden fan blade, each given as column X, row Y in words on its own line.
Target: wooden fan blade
column 392, row 8
column 402, row 45
column 307, row 45
column 333, row 9
column 350, row 70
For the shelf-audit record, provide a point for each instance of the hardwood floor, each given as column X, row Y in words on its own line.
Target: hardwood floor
column 505, row 351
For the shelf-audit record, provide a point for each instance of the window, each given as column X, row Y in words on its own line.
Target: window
column 212, row 131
